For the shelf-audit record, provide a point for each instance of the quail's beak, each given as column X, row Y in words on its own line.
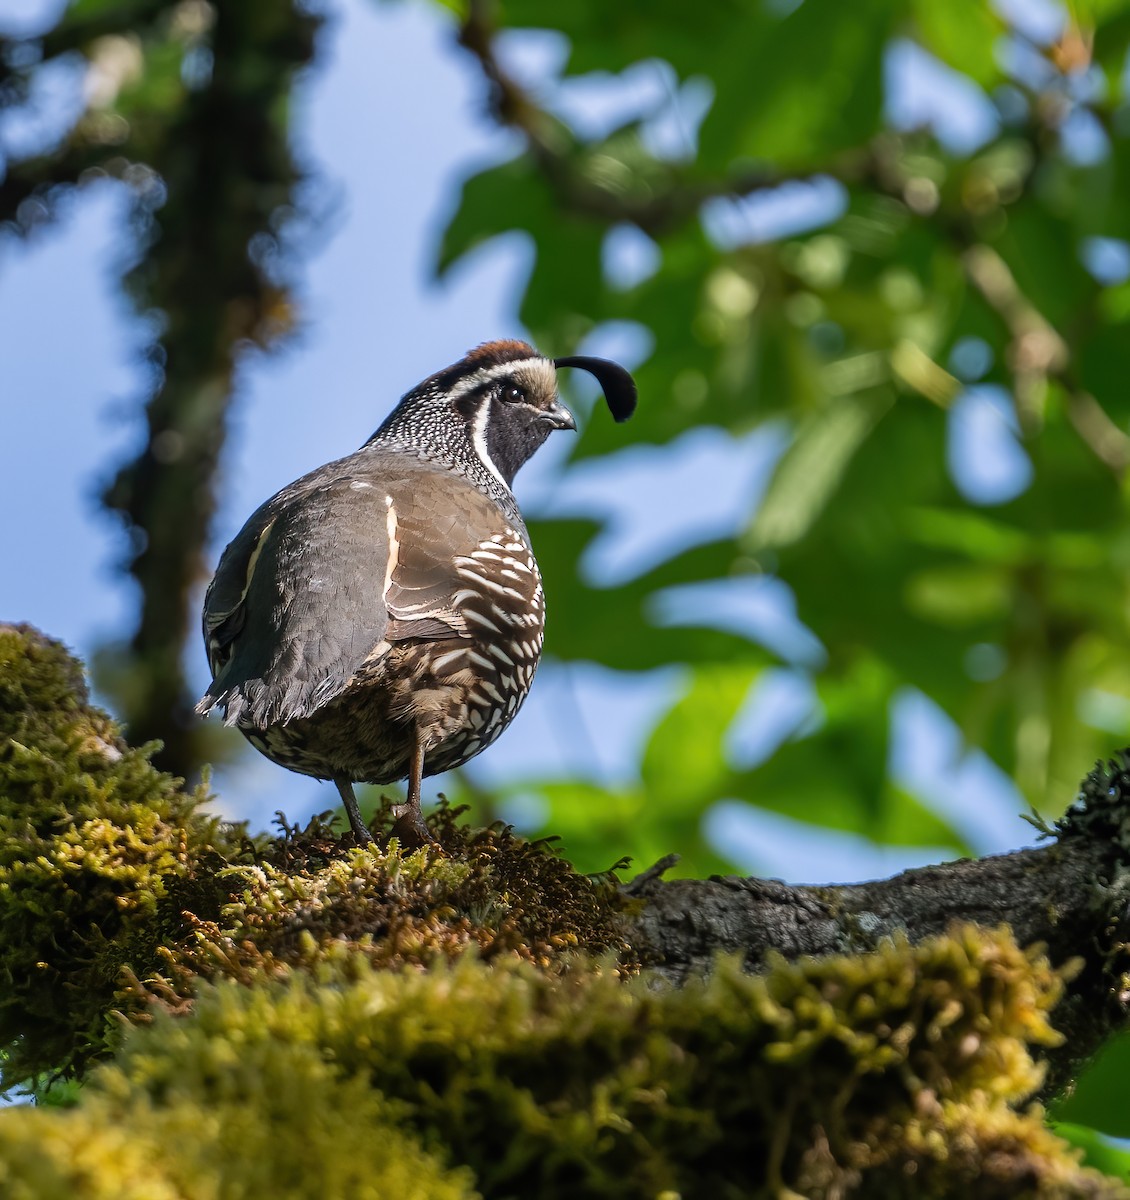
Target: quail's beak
column 557, row 416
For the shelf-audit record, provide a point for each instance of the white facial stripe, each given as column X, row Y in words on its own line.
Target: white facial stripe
column 529, row 366
column 479, row 440
column 486, row 374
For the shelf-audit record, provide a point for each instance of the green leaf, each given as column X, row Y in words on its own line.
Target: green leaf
column 510, row 196
column 685, row 761
column 812, row 468
column 610, row 37
column 1098, row 1151
column 837, row 775
column 597, row 825
column 797, row 90
column 1098, row 1097
column 959, row 595
column 1039, row 245
column 589, row 623
column 962, row 33
column 972, row 534
column 1110, row 20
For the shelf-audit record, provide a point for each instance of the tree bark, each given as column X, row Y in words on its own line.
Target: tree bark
column 1072, row 896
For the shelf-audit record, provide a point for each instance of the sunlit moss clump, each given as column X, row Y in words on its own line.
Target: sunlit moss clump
column 897, row 1073
column 116, row 889
column 94, row 842
column 304, row 896
column 294, row 1142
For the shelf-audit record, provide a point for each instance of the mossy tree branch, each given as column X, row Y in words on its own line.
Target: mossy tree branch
column 1072, row 897
column 854, row 1037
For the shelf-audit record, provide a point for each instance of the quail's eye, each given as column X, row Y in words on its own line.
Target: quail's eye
column 513, row 394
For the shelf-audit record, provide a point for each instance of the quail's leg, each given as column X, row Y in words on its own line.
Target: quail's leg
column 360, row 829
column 410, row 827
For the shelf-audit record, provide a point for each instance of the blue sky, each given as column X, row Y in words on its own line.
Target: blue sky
column 374, row 323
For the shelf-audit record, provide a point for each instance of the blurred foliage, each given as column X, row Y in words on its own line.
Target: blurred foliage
column 904, row 1072
column 932, row 269
column 187, row 103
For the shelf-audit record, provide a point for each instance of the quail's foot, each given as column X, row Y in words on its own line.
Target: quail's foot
column 410, row 828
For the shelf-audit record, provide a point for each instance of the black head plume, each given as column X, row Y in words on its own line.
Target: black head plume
column 618, row 386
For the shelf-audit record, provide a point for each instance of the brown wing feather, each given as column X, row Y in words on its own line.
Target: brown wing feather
column 428, row 530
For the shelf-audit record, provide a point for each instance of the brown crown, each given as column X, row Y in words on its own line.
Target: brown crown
column 505, row 350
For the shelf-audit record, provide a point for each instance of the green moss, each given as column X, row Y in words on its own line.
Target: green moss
column 116, row 889
column 972, row 1148
column 490, row 891
column 898, row 1073
column 296, row 1047
column 291, row 1142
column 94, row 842
column 50, row 1155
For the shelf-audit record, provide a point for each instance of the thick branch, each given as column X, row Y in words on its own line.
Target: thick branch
column 1073, row 896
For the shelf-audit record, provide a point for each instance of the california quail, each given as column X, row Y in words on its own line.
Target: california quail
column 381, row 618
